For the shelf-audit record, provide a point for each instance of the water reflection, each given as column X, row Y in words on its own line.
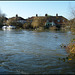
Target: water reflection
column 29, row 52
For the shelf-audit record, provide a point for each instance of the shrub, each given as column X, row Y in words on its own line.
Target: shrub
column 27, row 25
column 38, row 22
column 71, row 47
column 17, row 24
column 53, row 28
column 1, row 25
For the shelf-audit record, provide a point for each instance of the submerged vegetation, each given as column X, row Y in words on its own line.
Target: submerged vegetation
column 71, row 48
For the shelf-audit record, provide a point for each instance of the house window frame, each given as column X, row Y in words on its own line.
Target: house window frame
column 63, row 20
column 58, row 20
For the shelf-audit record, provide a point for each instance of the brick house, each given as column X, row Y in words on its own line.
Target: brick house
column 55, row 20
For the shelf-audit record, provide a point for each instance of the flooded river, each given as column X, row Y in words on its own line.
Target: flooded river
column 31, row 52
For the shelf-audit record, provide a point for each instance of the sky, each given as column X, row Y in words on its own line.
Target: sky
column 27, row 9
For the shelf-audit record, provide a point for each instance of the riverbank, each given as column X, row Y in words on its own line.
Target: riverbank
column 71, row 48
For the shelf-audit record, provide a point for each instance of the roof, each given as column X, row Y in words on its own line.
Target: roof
column 56, row 17
column 18, row 18
column 51, row 17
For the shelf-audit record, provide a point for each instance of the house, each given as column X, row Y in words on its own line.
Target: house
column 20, row 19
column 30, row 19
column 16, row 19
column 55, row 20
column 48, row 23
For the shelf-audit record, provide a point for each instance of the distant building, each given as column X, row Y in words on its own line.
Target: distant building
column 55, row 20
column 17, row 19
column 47, row 20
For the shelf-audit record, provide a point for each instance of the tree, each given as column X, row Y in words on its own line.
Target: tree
column 72, row 20
column 17, row 24
column 70, row 24
column 2, row 18
column 27, row 25
column 10, row 21
column 38, row 22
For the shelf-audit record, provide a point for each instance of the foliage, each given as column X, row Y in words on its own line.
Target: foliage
column 38, row 22
column 40, row 29
column 71, row 22
column 13, row 21
column 2, row 18
column 27, row 25
column 71, row 47
column 1, row 25
column 17, row 24
column 73, row 40
column 10, row 21
column 53, row 28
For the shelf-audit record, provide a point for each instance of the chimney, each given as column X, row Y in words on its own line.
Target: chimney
column 56, row 15
column 36, row 15
column 46, row 14
column 16, row 15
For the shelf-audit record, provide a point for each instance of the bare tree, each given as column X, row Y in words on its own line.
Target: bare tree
column 72, row 20
column 2, row 17
column 70, row 24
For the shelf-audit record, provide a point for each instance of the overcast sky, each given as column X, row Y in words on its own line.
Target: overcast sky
column 27, row 9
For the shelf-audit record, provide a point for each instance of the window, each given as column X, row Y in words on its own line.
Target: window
column 58, row 20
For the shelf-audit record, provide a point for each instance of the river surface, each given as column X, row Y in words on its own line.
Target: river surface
column 31, row 52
